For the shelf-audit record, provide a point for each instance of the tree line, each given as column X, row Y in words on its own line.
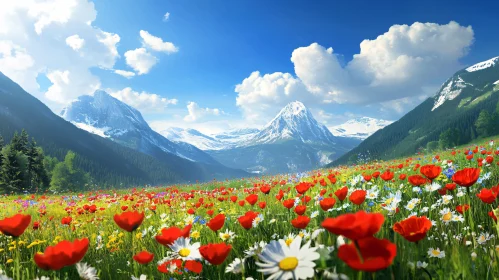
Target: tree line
column 24, row 168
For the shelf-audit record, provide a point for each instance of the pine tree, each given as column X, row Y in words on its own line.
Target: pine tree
column 24, row 142
column 12, row 172
column 484, row 124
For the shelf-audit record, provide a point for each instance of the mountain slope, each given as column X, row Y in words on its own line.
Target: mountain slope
column 457, row 104
column 109, row 163
column 107, row 116
column 293, row 141
column 193, row 137
column 359, row 128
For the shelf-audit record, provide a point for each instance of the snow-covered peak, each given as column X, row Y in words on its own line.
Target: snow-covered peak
column 483, row 65
column 496, row 82
column 450, row 90
column 359, row 128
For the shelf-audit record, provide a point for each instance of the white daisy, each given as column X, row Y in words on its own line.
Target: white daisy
column 283, row 262
column 227, row 235
column 421, row 264
column 372, row 193
column 236, row 267
column 256, row 249
column 483, row 238
column 257, row 220
column 432, row 187
column 314, row 214
column 86, row 272
column 184, row 250
column 436, row 253
column 141, row 277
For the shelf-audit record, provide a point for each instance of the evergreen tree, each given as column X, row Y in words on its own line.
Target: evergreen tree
column 24, row 142
column 66, row 176
column 2, row 182
column 12, row 172
column 449, row 138
column 484, row 124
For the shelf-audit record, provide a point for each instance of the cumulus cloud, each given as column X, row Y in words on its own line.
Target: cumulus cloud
column 143, row 101
column 140, row 60
column 75, row 42
column 157, row 43
column 197, row 113
column 399, row 67
column 166, row 17
column 35, row 36
column 126, row 74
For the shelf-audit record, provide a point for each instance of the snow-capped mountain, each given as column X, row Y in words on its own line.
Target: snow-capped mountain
column 359, row 128
column 294, row 122
column 108, row 117
column 463, row 79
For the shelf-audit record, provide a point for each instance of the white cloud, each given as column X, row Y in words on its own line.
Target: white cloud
column 126, row 74
column 143, row 101
column 166, row 17
column 157, row 43
column 197, row 113
column 401, row 66
column 75, row 42
column 38, row 32
column 140, row 60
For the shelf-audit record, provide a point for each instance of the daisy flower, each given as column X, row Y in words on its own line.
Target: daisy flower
column 421, row 264
column 436, row 253
column 484, row 237
column 446, row 215
column 236, row 267
column 184, row 250
column 283, row 262
column 372, row 193
column 86, row 272
column 227, row 235
column 256, row 249
column 257, row 220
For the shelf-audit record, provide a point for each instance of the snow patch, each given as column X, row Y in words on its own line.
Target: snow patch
column 483, row 65
column 94, row 130
column 359, row 128
column 450, row 91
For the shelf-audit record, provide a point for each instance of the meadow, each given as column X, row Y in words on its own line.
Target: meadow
column 428, row 216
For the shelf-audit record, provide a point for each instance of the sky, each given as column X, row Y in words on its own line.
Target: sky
column 217, row 65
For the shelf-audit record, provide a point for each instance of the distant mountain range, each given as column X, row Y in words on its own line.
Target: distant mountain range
column 456, row 104
column 359, row 128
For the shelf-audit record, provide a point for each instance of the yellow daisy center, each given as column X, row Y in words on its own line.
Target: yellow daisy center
column 226, row 236
column 184, row 252
column 289, row 263
column 435, row 252
column 289, row 241
column 447, row 216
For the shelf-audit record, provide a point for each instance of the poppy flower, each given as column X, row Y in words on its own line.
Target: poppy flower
column 450, row 186
column 65, row 253
column 487, row 196
column 417, row 180
column 462, row 208
column 387, row 175
column 301, row 222
column 265, row 189
column 300, row 209
column 430, row 171
column 303, row 187
column 377, row 254
column 215, row 253
column 252, row 199
column 492, row 215
column 217, row 222
column 129, row 221
column 193, row 266
column 246, row 220
column 169, row 235
column 262, row 204
column 358, row 196
column 175, row 265
column 16, row 225
column 36, row 225
column 288, row 203
column 413, row 228
column 466, row 177
column 402, row 176
column 327, row 203
column 355, row 226
column 342, row 193
column 367, row 177
column 143, row 257
column 233, row 198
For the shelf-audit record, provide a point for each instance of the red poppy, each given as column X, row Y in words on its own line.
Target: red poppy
column 358, row 196
column 288, row 203
column 342, row 193
column 265, row 189
column 241, row 203
column 417, row 180
column 262, row 204
column 301, row 222
column 233, row 198
column 376, row 174
column 377, row 254
column 303, row 187
column 492, row 215
column 487, row 196
column 63, row 254
column 169, row 235
column 413, row 228
column 246, row 220
column 252, row 199
column 300, row 209
column 430, row 171
column 124, row 207
column 387, row 175
column 367, row 177
column 217, row 222
column 354, row 226
column 327, row 203
column 466, row 177
column 402, row 176
column 462, row 208
column 193, row 266
column 129, row 221
column 143, row 257
column 450, row 186
column 164, row 267
column 36, row 225
column 191, row 211
column 16, row 225
column 215, row 253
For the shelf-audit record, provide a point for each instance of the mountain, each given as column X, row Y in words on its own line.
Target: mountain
column 110, row 118
column 293, row 141
column 108, row 162
column 456, row 104
column 359, row 128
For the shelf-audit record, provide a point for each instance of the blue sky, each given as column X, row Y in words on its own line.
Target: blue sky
column 221, row 43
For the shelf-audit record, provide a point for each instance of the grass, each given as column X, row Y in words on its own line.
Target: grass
column 112, row 257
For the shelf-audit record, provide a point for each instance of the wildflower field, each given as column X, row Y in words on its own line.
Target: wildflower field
column 428, row 216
